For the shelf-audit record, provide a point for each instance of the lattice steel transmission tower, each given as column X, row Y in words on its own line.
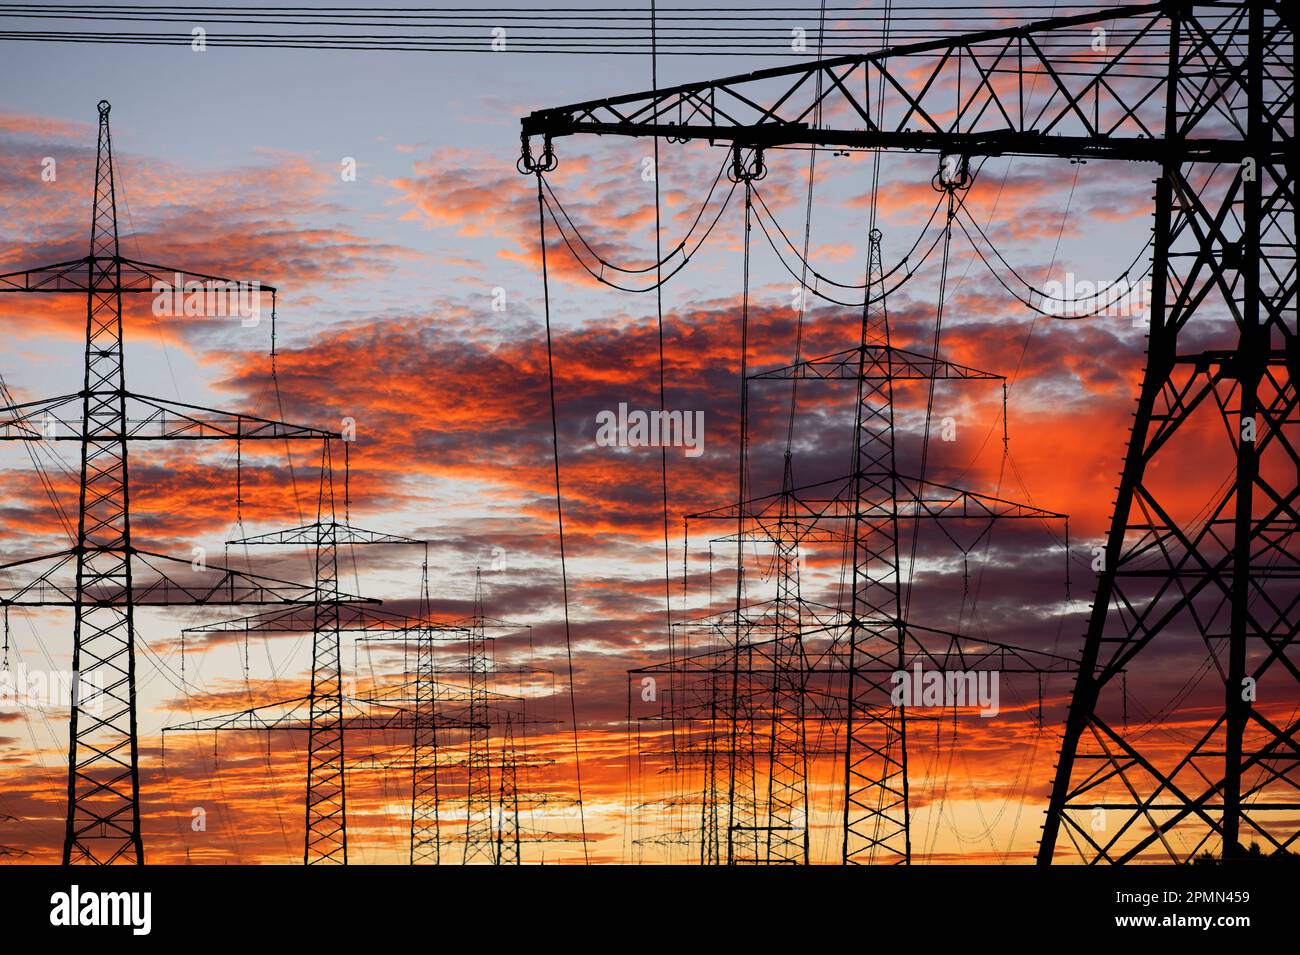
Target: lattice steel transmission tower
column 425, row 694
column 479, row 840
column 113, row 576
column 1223, row 578
column 1205, row 94
column 426, row 843
column 507, row 823
column 804, row 664
column 325, row 834
column 469, row 707
column 326, row 802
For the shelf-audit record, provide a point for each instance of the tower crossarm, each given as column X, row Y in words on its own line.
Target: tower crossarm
column 340, row 534
column 355, row 617
column 918, row 498
column 286, row 714
column 159, row 581
column 876, row 361
column 131, row 277
column 938, row 650
column 1037, row 89
column 147, row 419
column 295, row 714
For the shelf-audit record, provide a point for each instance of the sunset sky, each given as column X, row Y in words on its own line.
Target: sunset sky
column 229, row 162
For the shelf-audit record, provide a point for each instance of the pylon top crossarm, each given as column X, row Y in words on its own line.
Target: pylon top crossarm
column 406, row 692
column 294, row 716
column 288, row 714
column 1038, row 89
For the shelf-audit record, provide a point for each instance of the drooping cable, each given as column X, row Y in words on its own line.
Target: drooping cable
column 559, row 509
column 911, row 268
column 1064, row 309
column 663, row 447
column 930, row 392
column 598, row 275
column 660, row 260
column 742, row 435
column 806, row 264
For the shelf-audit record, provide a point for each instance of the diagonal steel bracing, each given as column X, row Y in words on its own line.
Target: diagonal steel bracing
column 103, row 814
column 1205, row 92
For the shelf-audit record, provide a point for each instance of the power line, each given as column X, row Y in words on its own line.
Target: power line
column 559, row 512
column 684, row 31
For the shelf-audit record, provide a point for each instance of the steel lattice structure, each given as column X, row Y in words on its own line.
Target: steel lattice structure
column 479, row 841
column 1205, row 93
column 470, row 703
column 112, row 575
column 507, row 813
column 326, row 802
column 327, row 715
column 792, row 662
column 433, row 703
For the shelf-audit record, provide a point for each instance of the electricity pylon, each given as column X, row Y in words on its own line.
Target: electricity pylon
column 112, row 575
column 326, row 803
column 456, row 691
column 507, row 825
column 426, row 841
column 1205, row 93
column 479, row 841
column 862, row 511
column 788, row 838
column 477, row 707
column 325, row 833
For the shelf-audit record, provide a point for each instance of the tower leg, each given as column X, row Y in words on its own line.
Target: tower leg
column 103, row 824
